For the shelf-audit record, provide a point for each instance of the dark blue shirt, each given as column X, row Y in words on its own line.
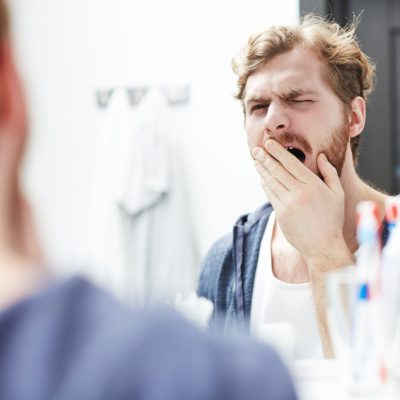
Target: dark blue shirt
column 73, row 341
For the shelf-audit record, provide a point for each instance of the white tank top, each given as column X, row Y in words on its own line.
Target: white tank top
column 283, row 313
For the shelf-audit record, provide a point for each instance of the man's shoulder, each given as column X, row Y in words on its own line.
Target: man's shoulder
column 251, row 221
column 218, row 263
column 87, row 338
column 248, row 223
column 73, row 340
column 64, row 306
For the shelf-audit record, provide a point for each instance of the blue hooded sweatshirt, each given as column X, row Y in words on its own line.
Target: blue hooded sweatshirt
column 228, row 271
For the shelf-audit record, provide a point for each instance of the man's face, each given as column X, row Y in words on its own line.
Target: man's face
column 288, row 99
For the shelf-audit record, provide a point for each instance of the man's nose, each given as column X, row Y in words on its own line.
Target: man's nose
column 276, row 119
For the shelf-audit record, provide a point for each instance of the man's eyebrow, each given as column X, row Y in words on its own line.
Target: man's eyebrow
column 290, row 94
column 257, row 98
column 293, row 93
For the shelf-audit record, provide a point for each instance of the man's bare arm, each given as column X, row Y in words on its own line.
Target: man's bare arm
column 318, row 270
column 310, row 212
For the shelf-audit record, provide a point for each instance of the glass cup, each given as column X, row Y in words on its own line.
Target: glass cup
column 360, row 343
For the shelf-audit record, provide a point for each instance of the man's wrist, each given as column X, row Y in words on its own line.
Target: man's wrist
column 337, row 255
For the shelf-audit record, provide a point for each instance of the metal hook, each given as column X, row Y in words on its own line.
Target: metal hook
column 174, row 95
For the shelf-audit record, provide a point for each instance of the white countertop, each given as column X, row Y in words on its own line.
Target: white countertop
column 321, row 380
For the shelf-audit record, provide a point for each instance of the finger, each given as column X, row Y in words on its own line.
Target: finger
column 271, row 184
column 329, row 173
column 271, row 196
column 276, row 203
column 277, row 170
column 291, row 163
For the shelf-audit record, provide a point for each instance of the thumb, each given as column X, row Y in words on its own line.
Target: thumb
column 328, row 172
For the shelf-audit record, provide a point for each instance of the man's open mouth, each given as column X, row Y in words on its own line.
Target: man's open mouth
column 297, row 153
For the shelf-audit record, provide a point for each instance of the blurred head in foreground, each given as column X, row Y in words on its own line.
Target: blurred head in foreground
column 20, row 256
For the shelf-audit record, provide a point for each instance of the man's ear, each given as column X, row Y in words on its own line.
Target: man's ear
column 13, row 116
column 357, row 116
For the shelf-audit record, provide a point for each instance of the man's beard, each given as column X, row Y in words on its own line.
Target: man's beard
column 335, row 151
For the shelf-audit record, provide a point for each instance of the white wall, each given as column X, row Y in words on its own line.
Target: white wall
column 67, row 49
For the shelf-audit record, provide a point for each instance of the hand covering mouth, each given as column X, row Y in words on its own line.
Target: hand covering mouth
column 297, row 153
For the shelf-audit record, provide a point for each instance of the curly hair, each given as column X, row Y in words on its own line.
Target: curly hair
column 350, row 72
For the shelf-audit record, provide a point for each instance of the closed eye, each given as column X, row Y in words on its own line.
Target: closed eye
column 302, row 101
column 259, row 107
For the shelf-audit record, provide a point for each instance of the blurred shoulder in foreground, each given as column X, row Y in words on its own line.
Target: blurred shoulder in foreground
column 73, row 341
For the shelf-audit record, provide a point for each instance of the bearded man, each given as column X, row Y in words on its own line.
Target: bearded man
column 303, row 89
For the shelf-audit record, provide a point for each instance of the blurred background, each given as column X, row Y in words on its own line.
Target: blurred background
column 130, row 96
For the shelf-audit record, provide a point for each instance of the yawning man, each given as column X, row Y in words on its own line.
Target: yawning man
column 303, row 89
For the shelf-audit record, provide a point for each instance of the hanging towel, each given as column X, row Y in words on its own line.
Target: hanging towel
column 144, row 164
column 144, row 247
column 106, row 258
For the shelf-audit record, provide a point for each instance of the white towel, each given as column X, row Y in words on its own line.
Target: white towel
column 143, row 242
column 144, row 164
